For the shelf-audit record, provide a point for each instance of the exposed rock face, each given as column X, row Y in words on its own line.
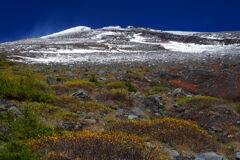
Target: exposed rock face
column 154, row 103
column 16, row 112
column 81, row 94
column 132, row 117
column 209, row 156
column 238, row 156
column 137, row 111
column 53, row 81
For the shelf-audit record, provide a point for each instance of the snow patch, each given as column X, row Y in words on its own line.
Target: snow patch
column 101, row 35
column 195, row 48
column 182, row 33
column 71, row 30
column 137, row 38
column 113, row 28
column 70, row 51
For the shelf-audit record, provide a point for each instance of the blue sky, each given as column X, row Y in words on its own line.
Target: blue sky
column 33, row 18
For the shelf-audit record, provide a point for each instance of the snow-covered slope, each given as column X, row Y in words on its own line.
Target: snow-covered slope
column 121, row 45
column 68, row 31
column 186, row 33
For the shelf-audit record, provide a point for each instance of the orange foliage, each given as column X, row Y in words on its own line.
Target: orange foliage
column 216, row 67
column 184, row 84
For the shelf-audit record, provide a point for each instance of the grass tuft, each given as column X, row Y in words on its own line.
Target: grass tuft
column 182, row 100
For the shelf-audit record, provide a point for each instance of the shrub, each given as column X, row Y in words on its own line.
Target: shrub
column 18, row 130
column 24, row 87
column 168, row 130
column 72, row 86
column 51, row 115
column 16, row 151
column 117, row 94
column 97, row 146
column 185, row 85
column 74, row 104
column 88, row 106
column 94, row 79
column 24, row 128
column 135, row 75
column 238, row 108
column 131, row 87
column 125, row 85
column 115, row 85
column 79, row 83
column 156, row 89
column 182, row 100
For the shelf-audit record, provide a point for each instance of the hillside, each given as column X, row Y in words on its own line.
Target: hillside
column 121, row 93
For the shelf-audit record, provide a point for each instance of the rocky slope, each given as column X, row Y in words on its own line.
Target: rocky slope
column 138, row 93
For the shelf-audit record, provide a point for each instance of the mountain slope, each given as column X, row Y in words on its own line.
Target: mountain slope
column 121, row 45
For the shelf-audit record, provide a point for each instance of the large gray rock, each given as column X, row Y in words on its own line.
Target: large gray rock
column 91, row 121
column 209, row 156
column 137, row 111
column 2, row 130
column 175, row 153
column 81, row 94
column 102, row 79
column 52, row 81
column 16, row 112
column 132, row 117
column 178, row 92
column 102, row 73
column 238, row 156
column 154, row 103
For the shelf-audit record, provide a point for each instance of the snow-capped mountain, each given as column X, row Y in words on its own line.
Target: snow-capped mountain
column 115, row 44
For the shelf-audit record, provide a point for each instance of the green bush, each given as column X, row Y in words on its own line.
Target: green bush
column 24, row 128
column 79, row 82
column 18, row 131
column 125, row 85
column 117, row 94
column 158, row 88
column 238, row 108
column 16, row 151
column 94, row 79
column 182, row 100
column 24, row 87
column 131, row 87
